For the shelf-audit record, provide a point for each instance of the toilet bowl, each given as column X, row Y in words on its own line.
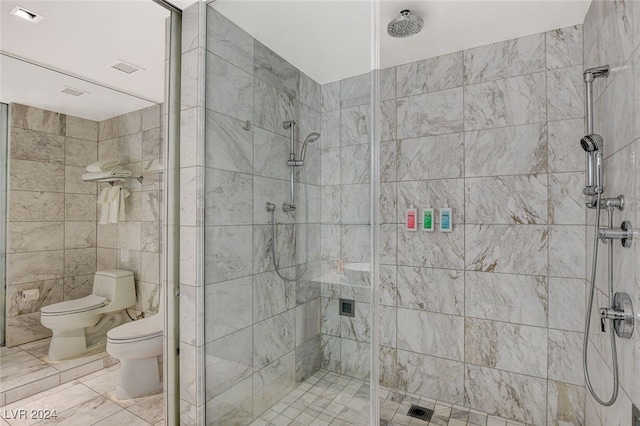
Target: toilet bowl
column 113, row 290
column 137, row 345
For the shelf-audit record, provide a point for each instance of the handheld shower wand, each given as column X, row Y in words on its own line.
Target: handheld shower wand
column 592, row 144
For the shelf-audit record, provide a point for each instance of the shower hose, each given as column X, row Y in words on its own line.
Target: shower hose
column 587, row 326
column 306, row 235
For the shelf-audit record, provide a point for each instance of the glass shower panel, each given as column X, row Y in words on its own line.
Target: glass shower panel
column 287, row 291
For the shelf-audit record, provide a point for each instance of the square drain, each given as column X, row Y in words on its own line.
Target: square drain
column 419, row 412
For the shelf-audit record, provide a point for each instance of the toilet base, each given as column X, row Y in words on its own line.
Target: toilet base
column 67, row 344
column 138, row 377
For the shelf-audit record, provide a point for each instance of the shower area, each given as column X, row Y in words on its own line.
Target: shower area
column 305, row 297
column 287, row 229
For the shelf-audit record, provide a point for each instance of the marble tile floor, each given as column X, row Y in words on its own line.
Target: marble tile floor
column 85, row 401
column 328, row 398
column 26, row 369
column 395, row 404
column 325, row 398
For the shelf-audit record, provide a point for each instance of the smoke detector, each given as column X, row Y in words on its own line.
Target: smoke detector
column 125, row 67
column 73, row 91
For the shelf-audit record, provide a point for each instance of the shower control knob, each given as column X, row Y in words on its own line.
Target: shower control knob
column 626, row 227
column 624, row 234
column 621, row 314
column 624, row 327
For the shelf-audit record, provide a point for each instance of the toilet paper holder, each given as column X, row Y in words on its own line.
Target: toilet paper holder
column 30, row 295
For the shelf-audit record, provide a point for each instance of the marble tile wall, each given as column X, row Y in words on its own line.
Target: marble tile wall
column 490, row 315
column 345, row 217
column 191, row 251
column 612, row 36
column 135, row 139
column 55, row 243
column 51, row 217
column 261, row 333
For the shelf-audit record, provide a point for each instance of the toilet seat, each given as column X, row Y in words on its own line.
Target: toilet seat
column 135, row 331
column 74, row 306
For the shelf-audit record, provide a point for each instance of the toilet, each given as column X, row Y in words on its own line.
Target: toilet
column 113, row 290
column 137, row 345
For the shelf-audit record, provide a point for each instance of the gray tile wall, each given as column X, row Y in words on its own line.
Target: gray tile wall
column 345, row 216
column 612, row 36
column 262, row 334
column 490, row 315
column 55, row 243
column 135, row 139
column 52, row 215
column 192, row 295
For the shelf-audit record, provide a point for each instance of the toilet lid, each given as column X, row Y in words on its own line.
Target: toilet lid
column 76, row 305
column 137, row 330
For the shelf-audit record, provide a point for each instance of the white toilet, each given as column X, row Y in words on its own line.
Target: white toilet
column 113, row 290
column 137, row 345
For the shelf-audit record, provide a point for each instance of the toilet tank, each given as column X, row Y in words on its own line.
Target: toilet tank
column 117, row 286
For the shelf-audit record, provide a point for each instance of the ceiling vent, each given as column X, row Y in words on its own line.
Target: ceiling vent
column 26, row 14
column 126, row 67
column 73, row 92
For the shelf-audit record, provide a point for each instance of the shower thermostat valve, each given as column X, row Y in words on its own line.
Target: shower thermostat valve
column 624, row 234
column 622, row 315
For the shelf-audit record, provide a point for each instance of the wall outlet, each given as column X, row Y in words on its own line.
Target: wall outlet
column 124, row 254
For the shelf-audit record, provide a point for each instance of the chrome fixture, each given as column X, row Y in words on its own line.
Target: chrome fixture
column 303, row 153
column 405, row 25
column 293, row 162
column 592, row 143
column 624, row 234
column 620, row 313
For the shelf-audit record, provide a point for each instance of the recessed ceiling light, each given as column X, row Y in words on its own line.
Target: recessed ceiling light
column 24, row 13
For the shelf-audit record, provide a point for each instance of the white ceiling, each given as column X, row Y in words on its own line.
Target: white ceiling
column 326, row 39
column 330, row 40
column 83, row 38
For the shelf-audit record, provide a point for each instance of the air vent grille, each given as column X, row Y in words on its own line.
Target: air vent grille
column 125, row 67
column 73, row 92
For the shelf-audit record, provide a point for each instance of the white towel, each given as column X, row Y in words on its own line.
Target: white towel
column 124, row 193
column 103, row 201
column 114, row 203
column 103, row 165
column 105, row 176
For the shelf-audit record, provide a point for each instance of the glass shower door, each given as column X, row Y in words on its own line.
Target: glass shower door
column 288, row 329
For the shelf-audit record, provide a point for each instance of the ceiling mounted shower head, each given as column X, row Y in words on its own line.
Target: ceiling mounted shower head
column 405, row 25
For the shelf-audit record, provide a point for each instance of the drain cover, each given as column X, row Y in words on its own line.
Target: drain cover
column 420, row 412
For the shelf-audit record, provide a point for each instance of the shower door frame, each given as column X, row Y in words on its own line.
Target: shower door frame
column 4, row 144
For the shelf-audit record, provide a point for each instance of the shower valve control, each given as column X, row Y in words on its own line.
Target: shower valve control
column 624, row 234
column 622, row 315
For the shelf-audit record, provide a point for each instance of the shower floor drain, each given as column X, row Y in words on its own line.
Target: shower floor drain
column 420, row 412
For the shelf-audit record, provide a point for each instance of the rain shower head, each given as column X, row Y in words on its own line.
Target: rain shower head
column 405, row 25
column 592, row 143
